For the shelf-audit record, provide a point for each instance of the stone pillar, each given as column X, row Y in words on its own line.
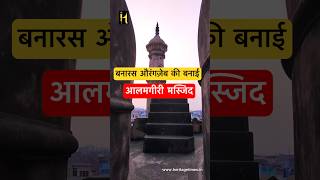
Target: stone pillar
column 228, row 144
column 123, row 54
column 33, row 147
column 204, row 59
column 303, row 68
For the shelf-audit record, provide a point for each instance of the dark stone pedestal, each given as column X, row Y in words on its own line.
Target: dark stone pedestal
column 232, row 150
column 169, row 128
column 168, row 144
column 97, row 178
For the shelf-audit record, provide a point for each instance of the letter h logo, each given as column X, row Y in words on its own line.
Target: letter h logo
column 123, row 17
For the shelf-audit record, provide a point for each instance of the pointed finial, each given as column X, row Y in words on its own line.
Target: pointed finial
column 157, row 29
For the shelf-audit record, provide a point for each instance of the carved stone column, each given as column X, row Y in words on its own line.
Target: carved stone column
column 204, row 58
column 33, row 147
column 123, row 54
column 303, row 68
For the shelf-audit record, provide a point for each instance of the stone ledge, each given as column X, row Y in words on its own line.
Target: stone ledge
column 168, row 144
column 182, row 129
column 27, row 137
column 118, row 105
column 168, row 101
column 169, row 107
column 167, row 116
column 229, row 124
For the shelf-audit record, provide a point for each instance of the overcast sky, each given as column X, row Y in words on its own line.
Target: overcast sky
column 178, row 21
column 93, row 131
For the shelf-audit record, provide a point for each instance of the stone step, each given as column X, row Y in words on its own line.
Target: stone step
column 169, row 107
column 169, row 120
column 232, row 145
column 98, row 178
column 169, row 101
column 168, row 144
column 170, row 117
column 229, row 124
column 181, row 129
column 231, row 170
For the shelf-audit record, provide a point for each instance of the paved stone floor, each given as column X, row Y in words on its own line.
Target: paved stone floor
column 151, row 166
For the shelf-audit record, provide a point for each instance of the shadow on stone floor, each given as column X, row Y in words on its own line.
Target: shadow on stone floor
column 150, row 166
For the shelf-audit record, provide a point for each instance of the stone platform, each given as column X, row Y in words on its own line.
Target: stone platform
column 145, row 166
column 232, row 155
column 168, row 128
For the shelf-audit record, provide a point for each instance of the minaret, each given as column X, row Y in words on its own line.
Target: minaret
column 157, row 49
column 168, row 126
